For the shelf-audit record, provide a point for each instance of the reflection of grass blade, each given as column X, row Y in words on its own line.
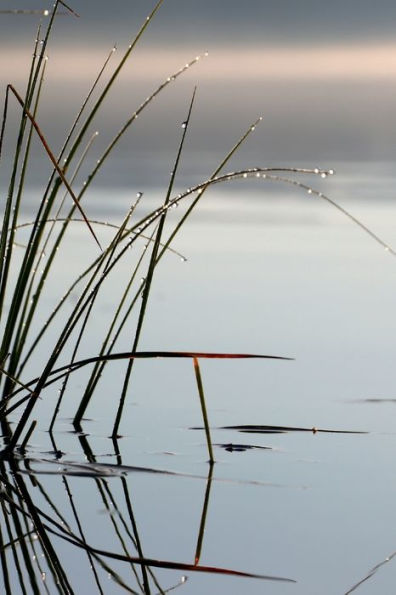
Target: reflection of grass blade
column 201, row 531
column 174, row 565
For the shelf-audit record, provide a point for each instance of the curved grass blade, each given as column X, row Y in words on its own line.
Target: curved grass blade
column 69, row 368
column 264, row 173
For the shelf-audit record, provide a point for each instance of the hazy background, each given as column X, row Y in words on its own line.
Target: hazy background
column 322, row 76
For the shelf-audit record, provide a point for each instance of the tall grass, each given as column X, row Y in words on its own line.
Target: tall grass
column 22, row 281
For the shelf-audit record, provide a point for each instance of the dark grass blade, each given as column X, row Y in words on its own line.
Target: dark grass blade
column 150, row 271
column 42, row 217
column 203, row 408
column 81, row 333
column 111, row 338
column 259, row 429
column 4, row 236
column 132, row 119
column 53, row 159
column 111, row 81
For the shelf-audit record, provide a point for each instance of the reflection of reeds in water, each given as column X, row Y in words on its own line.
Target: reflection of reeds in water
column 39, row 531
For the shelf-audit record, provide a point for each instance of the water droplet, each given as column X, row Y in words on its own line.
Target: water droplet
column 46, row 13
column 43, row 576
column 183, row 259
column 309, row 190
column 200, row 190
column 142, row 280
column 316, row 170
column 184, row 125
column 252, row 128
column 139, row 194
column 257, row 174
column 387, row 249
column 323, row 175
column 245, row 175
column 331, row 172
column 206, row 54
column 264, row 176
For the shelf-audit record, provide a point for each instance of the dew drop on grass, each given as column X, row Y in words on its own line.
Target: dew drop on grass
column 43, row 576
column 139, row 194
column 184, row 125
column 331, row 172
column 309, row 190
column 46, row 13
column 245, row 175
column 316, row 170
column 323, row 175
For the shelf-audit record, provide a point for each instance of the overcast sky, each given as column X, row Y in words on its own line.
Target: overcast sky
column 322, row 74
column 250, row 21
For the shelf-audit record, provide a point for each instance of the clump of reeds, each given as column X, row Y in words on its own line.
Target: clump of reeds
column 22, row 284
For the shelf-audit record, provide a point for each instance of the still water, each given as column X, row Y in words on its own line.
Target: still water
column 271, row 270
